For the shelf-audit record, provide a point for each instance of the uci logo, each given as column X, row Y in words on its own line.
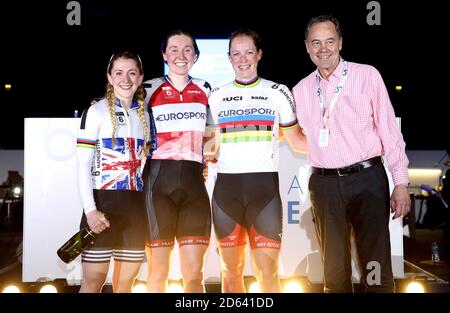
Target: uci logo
column 235, row 98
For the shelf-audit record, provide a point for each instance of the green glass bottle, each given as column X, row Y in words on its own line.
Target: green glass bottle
column 76, row 244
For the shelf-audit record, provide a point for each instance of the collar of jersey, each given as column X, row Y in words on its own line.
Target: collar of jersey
column 250, row 83
column 167, row 79
column 134, row 105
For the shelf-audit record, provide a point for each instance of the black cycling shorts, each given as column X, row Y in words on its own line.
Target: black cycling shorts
column 125, row 238
column 247, row 204
column 178, row 204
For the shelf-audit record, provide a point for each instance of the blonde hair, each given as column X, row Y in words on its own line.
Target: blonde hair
column 138, row 96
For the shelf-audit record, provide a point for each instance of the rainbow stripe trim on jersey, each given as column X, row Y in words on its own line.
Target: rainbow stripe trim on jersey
column 246, row 136
column 251, row 83
column 86, row 143
column 249, row 128
column 289, row 125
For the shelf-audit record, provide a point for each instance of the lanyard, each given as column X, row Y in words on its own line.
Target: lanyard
column 328, row 109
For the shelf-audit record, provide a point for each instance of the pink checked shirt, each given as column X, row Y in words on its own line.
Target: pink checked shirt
column 362, row 124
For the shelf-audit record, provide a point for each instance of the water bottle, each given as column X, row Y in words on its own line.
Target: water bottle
column 76, row 244
column 435, row 253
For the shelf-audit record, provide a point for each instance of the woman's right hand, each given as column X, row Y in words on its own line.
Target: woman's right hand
column 97, row 221
column 205, row 172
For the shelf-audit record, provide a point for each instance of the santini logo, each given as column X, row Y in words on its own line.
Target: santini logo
column 259, row 98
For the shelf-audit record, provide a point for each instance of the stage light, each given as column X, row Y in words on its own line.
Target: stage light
column 48, row 288
column 8, row 86
column 423, row 176
column 175, row 287
column 415, row 287
column 425, row 171
column 139, row 288
column 293, row 287
column 254, row 288
column 398, row 88
column 11, row 289
column 17, row 191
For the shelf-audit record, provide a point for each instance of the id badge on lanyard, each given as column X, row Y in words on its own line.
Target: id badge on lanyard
column 324, row 132
column 324, row 135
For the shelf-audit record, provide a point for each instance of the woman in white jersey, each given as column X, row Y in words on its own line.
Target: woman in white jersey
column 112, row 147
column 178, row 205
column 248, row 113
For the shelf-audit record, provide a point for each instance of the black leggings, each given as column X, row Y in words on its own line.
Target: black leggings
column 178, row 205
column 125, row 239
column 247, row 204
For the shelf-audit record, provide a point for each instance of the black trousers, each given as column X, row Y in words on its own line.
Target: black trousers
column 359, row 201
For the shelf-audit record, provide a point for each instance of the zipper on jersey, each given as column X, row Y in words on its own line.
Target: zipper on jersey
column 180, row 91
column 127, row 116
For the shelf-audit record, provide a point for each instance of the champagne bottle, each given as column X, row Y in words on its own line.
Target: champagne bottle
column 76, row 244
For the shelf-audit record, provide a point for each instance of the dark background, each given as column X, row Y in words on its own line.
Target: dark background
column 55, row 68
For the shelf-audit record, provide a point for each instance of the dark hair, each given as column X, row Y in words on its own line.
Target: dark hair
column 246, row 32
column 321, row 19
column 125, row 55
column 179, row 32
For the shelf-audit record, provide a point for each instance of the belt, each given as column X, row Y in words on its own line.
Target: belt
column 348, row 170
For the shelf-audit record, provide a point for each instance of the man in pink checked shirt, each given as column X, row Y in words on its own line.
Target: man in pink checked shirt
column 349, row 122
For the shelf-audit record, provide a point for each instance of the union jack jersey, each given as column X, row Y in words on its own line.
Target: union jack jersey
column 102, row 165
column 180, row 117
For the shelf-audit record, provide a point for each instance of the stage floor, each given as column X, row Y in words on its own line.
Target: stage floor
column 417, row 263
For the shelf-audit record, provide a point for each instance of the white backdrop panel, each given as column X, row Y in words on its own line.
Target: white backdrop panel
column 52, row 210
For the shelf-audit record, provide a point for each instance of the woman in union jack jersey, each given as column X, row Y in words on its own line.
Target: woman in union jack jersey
column 115, row 137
